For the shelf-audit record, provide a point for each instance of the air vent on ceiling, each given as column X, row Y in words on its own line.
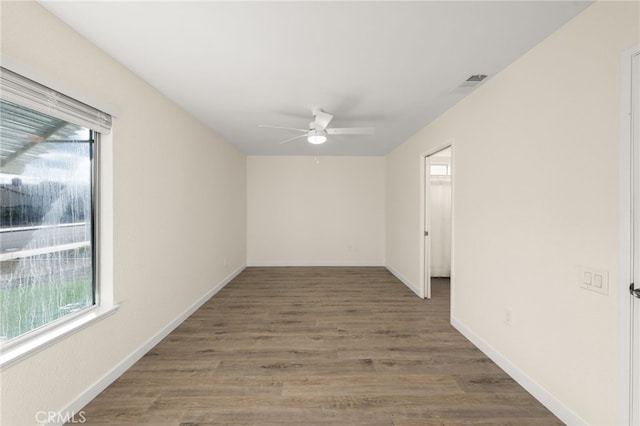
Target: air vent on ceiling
column 469, row 83
column 476, row 78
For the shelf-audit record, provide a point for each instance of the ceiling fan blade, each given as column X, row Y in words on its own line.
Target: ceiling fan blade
column 352, row 131
column 293, row 139
column 285, row 128
column 322, row 119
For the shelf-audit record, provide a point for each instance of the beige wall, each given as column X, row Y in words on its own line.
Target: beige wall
column 179, row 210
column 535, row 196
column 304, row 213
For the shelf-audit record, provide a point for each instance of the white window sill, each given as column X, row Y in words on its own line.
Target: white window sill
column 29, row 345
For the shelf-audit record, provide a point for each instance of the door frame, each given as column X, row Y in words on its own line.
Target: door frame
column 423, row 293
column 627, row 366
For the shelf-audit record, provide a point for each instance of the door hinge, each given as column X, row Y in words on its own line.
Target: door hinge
column 426, row 233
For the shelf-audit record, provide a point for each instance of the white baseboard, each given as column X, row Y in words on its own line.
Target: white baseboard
column 314, row 263
column 554, row 405
column 404, row 280
column 83, row 399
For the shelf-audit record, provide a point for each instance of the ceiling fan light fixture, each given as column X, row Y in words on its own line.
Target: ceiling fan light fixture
column 316, row 137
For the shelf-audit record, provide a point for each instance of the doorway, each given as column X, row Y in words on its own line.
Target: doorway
column 438, row 207
column 630, row 239
column 635, row 247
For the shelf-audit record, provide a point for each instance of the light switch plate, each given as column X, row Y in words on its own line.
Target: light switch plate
column 594, row 279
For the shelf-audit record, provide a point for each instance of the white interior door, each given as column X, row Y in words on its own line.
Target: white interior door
column 437, row 229
column 427, row 227
column 635, row 183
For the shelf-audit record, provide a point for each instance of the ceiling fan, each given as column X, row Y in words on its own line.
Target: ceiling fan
column 318, row 131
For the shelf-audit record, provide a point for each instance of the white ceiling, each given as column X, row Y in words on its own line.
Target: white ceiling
column 392, row 65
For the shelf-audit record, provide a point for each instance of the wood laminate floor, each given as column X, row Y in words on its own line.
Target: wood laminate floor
column 317, row 346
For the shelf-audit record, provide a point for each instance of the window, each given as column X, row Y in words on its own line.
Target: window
column 439, row 170
column 48, row 244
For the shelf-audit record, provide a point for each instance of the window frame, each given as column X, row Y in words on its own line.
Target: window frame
column 95, row 217
column 32, row 342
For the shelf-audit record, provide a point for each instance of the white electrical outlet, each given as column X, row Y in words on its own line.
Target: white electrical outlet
column 594, row 279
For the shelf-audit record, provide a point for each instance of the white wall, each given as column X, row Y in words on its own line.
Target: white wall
column 303, row 213
column 535, row 196
column 179, row 210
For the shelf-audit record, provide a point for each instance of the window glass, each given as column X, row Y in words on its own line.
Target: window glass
column 46, row 220
column 439, row 169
